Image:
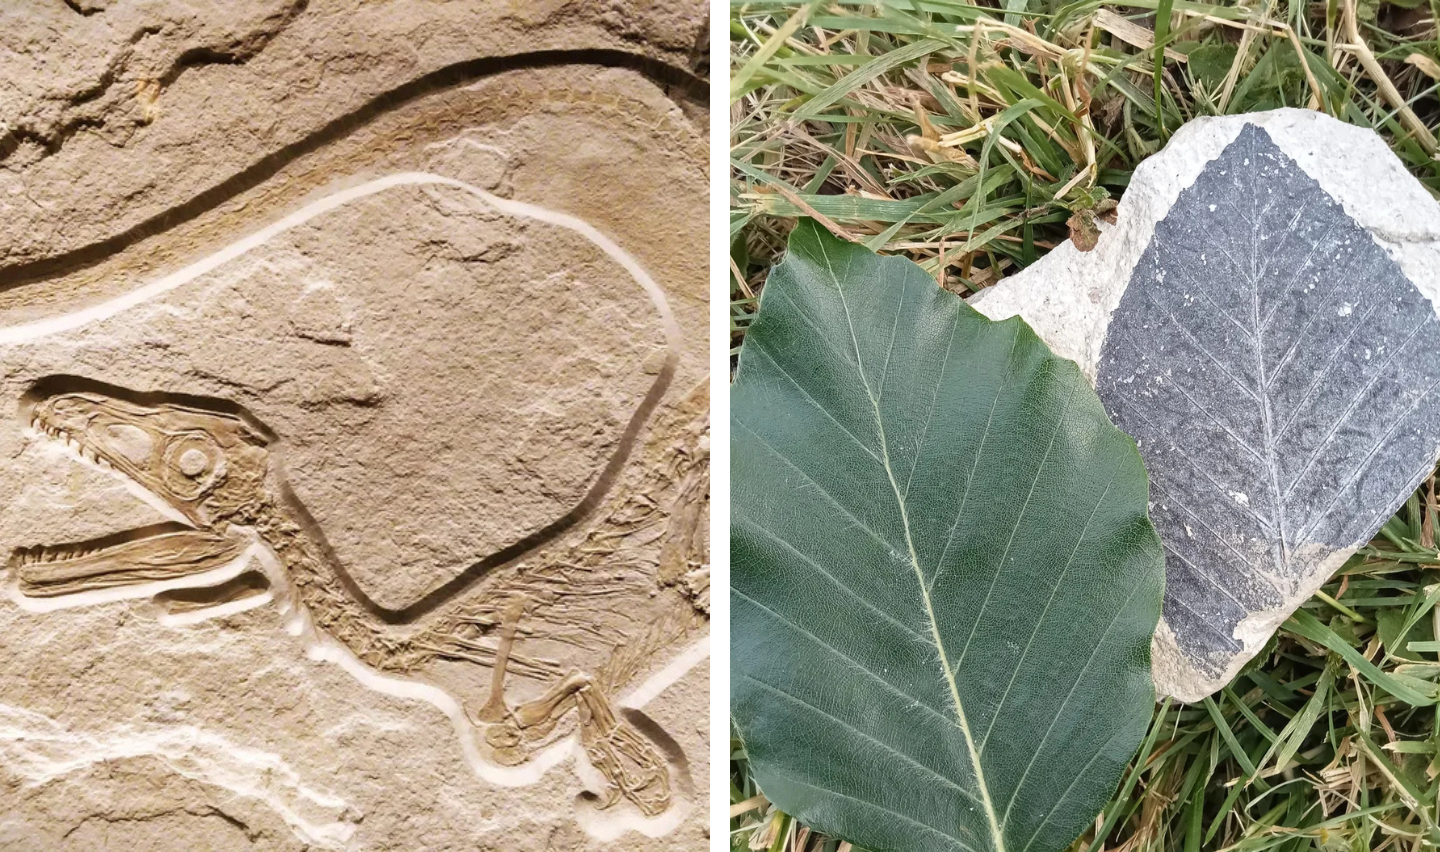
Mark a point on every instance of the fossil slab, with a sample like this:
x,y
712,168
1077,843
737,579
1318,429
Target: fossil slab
x,y
354,479
1262,319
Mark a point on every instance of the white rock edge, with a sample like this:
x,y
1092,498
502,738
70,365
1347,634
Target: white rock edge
x,y
603,825
1068,296
41,749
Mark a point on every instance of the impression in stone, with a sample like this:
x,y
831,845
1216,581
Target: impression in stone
x,y
263,211
239,538
210,463
1278,371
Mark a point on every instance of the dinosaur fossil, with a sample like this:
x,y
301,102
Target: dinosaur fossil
x,y
634,769
214,468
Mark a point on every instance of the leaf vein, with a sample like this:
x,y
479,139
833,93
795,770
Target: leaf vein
x,y
1365,462
975,464
814,402
818,487
1019,519
1321,373
997,837
951,840
1040,621
934,397
1145,291
1079,676
1355,403
770,534
844,656
795,699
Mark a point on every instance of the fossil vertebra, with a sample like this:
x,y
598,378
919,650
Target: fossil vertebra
x,y
213,466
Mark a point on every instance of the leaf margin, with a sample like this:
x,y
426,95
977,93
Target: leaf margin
x,y
808,230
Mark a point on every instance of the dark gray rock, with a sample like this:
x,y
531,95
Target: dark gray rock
x,y
1280,372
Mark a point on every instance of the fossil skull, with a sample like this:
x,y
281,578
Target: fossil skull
x,y
205,464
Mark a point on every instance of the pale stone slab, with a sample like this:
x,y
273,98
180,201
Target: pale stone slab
x,y
1262,319
354,478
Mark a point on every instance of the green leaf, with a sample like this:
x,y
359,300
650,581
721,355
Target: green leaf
x,y
1210,63
943,580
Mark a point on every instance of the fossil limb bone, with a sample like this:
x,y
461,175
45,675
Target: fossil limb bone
x,y
211,465
629,762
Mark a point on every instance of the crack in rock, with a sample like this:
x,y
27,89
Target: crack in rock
x,y
39,749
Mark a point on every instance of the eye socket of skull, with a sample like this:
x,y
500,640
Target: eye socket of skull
x,y
193,463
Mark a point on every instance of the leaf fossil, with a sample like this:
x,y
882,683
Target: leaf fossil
x,y
943,581
1278,371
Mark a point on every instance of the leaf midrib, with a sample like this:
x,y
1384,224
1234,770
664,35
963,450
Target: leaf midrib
x,y
1280,497
996,834
1262,385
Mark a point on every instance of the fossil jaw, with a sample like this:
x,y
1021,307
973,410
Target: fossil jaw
x,y
56,433
136,556
195,463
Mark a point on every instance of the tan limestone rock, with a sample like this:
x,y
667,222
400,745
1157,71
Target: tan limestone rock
x,y
353,425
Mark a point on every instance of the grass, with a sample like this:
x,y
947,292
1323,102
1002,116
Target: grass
x,y
974,138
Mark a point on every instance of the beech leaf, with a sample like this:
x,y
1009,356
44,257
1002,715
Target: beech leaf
x,y
1280,373
944,582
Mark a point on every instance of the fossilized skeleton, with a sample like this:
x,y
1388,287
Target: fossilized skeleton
x,y
215,468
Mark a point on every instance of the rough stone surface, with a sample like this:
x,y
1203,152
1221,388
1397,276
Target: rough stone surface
x,y
1262,327
348,353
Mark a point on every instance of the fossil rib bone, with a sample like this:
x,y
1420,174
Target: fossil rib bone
x,y
213,465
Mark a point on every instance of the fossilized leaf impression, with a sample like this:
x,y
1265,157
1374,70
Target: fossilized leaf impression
x,y
362,503
1279,370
